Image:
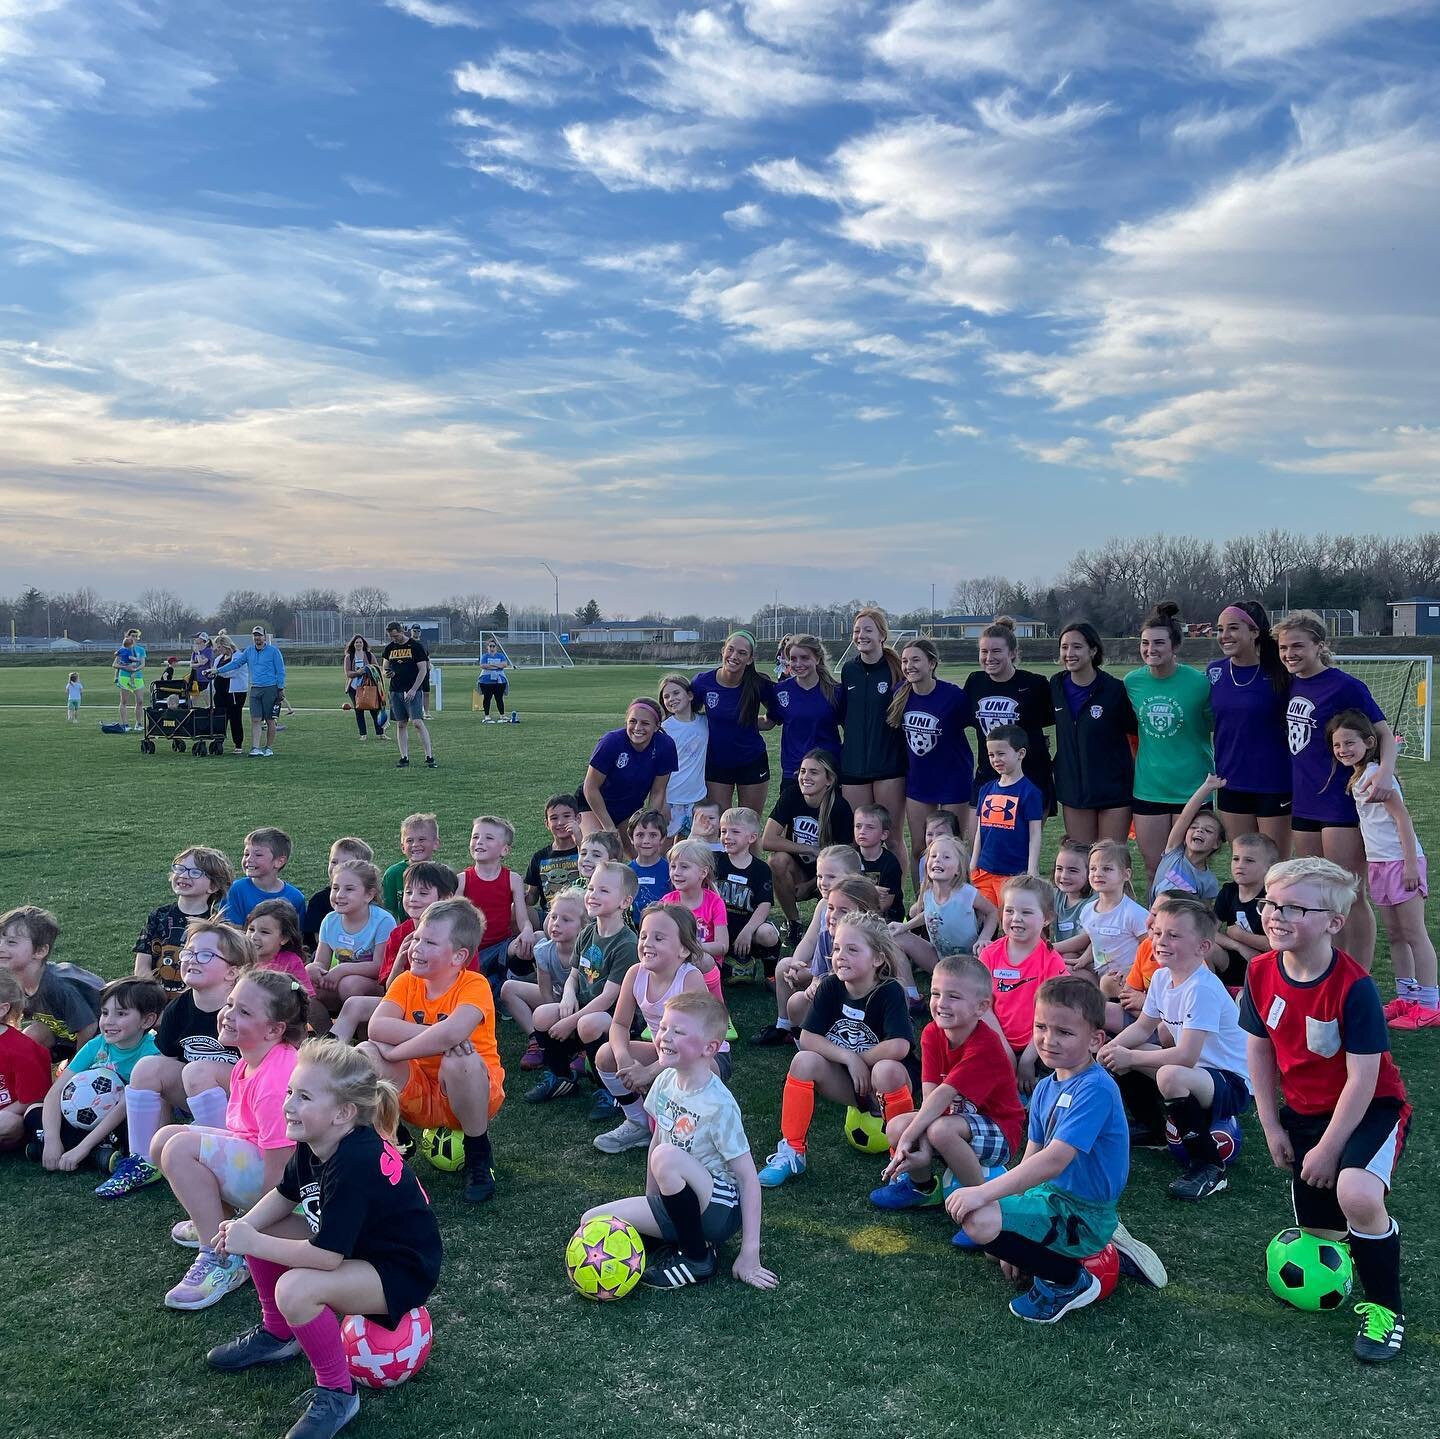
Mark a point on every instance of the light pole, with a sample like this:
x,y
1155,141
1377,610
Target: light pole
x,y
556,578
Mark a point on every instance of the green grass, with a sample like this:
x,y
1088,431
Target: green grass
x,y
879,1328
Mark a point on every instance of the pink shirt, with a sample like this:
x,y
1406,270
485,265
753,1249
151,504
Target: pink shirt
x,y
1016,985
709,913
257,1099
288,962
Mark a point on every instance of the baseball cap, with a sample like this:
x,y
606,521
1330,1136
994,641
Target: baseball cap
x,y
258,630
203,635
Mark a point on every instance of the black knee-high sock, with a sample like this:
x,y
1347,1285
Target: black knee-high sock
x,y
683,1207
1192,1121
1377,1262
1142,1100
558,1054
592,1051
1034,1258
478,1154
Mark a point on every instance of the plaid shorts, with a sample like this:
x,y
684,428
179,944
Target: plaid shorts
x,y
987,1139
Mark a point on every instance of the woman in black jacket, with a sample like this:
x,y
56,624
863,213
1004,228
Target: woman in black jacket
x,y
1094,732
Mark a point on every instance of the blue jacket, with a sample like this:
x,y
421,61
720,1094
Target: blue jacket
x,y
267,666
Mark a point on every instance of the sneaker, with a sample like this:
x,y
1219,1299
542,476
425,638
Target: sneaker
x,y
130,1174
577,1067
551,1086
479,1184
794,932
402,763
1199,1182
903,1193
268,753
1382,1332
327,1412
184,1234
1137,1260
1405,1017
630,1134
772,1035
669,1269
534,1056
105,1157
605,1106
207,1281
254,1346
256,753
1047,1301
1396,1006
784,1164
430,761
1426,1018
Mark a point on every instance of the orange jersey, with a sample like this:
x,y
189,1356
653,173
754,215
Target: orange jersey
x,y
1143,970
407,992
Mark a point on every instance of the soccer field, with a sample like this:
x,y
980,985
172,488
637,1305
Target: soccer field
x,y
880,1327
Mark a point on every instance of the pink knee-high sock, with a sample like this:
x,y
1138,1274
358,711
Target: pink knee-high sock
x,y
266,1275
320,1339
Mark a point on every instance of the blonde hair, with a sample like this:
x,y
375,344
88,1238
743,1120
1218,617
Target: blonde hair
x,y
493,821
350,1078
420,821
365,872
572,895
1337,886
285,999
696,852
857,887
353,847
629,880
877,934
742,815
962,860
822,661
1262,842
709,1012
1119,851
1307,622
845,855
609,840
876,617
467,924
12,993
236,947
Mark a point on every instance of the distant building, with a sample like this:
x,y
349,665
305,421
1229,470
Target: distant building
x,y
619,632
1415,616
968,627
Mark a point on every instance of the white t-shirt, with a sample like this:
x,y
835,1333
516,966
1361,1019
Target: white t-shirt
x,y
358,947
687,784
73,690
1116,935
1201,1002
705,1123
1377,826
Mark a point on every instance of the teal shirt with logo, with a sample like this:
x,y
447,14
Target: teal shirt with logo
x,y
1175,726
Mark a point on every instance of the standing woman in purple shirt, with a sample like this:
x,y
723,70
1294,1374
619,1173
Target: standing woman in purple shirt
x,y
732,697
1249,689
629,771
1323,817
809,705
933,715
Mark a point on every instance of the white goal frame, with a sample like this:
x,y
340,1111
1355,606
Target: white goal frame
x,y
896,642
1417,700
553,656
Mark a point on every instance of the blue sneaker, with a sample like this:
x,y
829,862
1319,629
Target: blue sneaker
x,y
902,1193
961,1240
606,1106
785,1163
1047,1301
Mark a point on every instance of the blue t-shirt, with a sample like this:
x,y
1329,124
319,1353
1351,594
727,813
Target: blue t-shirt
x,y
99,1053
356,946
630,772
653,880
492,671
1318,781
1004,813
941,767
731,743
1085,1112
245,894
1250,751
809,721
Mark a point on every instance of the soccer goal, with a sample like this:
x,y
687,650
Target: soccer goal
x,y
530,649
896,642
1402,688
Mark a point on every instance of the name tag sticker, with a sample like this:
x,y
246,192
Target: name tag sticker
x,y
1277,1008
1007,974
1063,1102
850,1012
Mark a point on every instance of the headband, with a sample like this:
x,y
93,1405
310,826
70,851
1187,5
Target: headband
x,y
645,702
1234,612
743,635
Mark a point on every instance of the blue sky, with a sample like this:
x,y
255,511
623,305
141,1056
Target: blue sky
x,y
833,296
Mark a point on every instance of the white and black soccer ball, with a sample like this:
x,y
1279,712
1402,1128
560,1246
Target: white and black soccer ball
x,y
89,1096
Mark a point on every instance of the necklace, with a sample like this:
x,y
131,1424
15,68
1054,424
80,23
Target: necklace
x,y
1248,682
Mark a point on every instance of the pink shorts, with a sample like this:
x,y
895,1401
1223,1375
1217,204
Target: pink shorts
x,y
1387,881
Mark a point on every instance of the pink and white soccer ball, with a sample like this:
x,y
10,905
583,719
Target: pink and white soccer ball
x,y
381,1358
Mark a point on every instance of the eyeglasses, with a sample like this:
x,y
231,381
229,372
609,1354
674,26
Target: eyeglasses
x,y
186,871
1290,912
201,956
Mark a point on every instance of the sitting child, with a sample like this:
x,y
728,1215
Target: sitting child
x,y
701,1179
1072,893
352,937
956,917
262,862
970,1114
346,1230
275,932
747,891
200,878
1194,837
810,816
692,871
1113,923
942,821
433,1037
24,1065
879,863
553,868
1242,932
647,836
348,850
419,841
554,959
57,1014
500,897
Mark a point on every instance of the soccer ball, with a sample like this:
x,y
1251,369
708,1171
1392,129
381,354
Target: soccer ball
x,y
1105,1266
605,1258
1308,1272
444,1148
866,1131
381,1358
89,1096
1226,1133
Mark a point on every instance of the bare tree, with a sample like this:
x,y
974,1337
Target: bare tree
x,y
472,611
165,613
316,599
977,596
366,600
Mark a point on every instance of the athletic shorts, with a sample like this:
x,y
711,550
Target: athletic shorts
x,y
989,884
1232,1098
720,1219
1059,1221
1375,1146
262,701
424,1103
1302,825
582,806
853,779
1247,801
987,1139
755,771
237,1165
1387,881
405,709
1151,807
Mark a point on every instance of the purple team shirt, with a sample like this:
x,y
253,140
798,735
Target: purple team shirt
x,y
941,766
1251,754
1318,780
731,743
630,772
809,721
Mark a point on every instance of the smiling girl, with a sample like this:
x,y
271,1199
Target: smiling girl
x,y
872,756
732,695
809,816
352,937
810,706
690,731
1004,695
629,771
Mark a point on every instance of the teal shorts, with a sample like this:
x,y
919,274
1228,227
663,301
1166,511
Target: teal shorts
x,y
1046,1215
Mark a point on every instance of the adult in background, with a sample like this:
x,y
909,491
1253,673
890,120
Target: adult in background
x,y
417,636
1004,695
1249,689
629,771
809,707
129,667
1094,725
232,692
202,667
407,665
1323,820
362,673
266,667
732,696
1173,718
493,682
872,757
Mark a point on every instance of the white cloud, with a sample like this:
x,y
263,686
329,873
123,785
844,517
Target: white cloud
x,y
361,186
504,152
434,12
650,260
870,414
1248,30
511,275
516,77
648,152
800,22
749,216
1205,127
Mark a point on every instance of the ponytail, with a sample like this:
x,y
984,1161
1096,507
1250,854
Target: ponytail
x,y
352,1080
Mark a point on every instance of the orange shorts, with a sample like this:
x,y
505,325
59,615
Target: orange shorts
x,y
423,1101
989,884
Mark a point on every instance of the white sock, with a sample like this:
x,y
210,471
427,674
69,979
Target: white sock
x,y
615,1085
143,1108
783,1023
1427,996
209,1106
1407,988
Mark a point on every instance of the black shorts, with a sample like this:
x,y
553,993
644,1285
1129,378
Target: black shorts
x,y
1146,806
1318,826
719,1221
1374,1145
405,1286
756,771
1249,801
582,806
873,778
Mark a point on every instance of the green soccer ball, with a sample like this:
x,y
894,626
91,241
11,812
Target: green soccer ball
x,y
1307,1272
866,1131
444,1148
605,1258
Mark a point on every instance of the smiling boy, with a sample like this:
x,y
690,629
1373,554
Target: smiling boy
x,y
266,853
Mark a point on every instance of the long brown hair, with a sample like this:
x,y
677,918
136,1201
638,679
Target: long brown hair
x,y
896,713
877,617
822,668
751,690
827,763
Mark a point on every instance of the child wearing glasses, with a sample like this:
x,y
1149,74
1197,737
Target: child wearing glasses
x,y
199,880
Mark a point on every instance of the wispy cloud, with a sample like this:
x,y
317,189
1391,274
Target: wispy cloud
x,y
749,216
516,77
648,152
510,276
362,186
1240,31
435,12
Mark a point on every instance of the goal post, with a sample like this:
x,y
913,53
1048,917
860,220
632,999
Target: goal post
x,y
525,649
1403,688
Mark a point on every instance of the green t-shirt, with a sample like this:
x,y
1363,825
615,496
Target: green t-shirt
x,y
99,1053
1175,726
598,960
392,888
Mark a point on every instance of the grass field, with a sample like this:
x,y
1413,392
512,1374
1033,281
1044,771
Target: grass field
x,y
879,1328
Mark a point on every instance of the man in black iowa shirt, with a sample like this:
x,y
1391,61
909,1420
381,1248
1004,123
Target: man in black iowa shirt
x,y
406,665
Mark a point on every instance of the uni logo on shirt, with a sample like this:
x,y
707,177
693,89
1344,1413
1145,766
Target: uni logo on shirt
x,y
999,810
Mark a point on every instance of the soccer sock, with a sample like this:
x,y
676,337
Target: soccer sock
x,y
1032,1258
797,1109
143,1108
592,1052
558,1054
478,1153
898,1101
1407,987
683,1207
208,1107
631,1106
783,1022
1377,1262
266,1275
1192,1122
1427,996
1142,1100
320,1339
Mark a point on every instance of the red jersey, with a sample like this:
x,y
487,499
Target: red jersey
x,y
1313,1026
495,899
24,1068
981,1071
398,936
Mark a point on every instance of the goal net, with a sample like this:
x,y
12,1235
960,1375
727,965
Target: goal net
x,y
896,642
1402,688
525,649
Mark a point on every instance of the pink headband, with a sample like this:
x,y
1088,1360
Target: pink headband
x,y
645,702
1234,612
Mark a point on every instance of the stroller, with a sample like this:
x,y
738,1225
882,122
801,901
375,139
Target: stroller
x,y
171,716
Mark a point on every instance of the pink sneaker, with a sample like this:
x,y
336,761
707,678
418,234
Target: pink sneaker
x,y
1407,1018
1396,1006
534,1056
1426,1018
